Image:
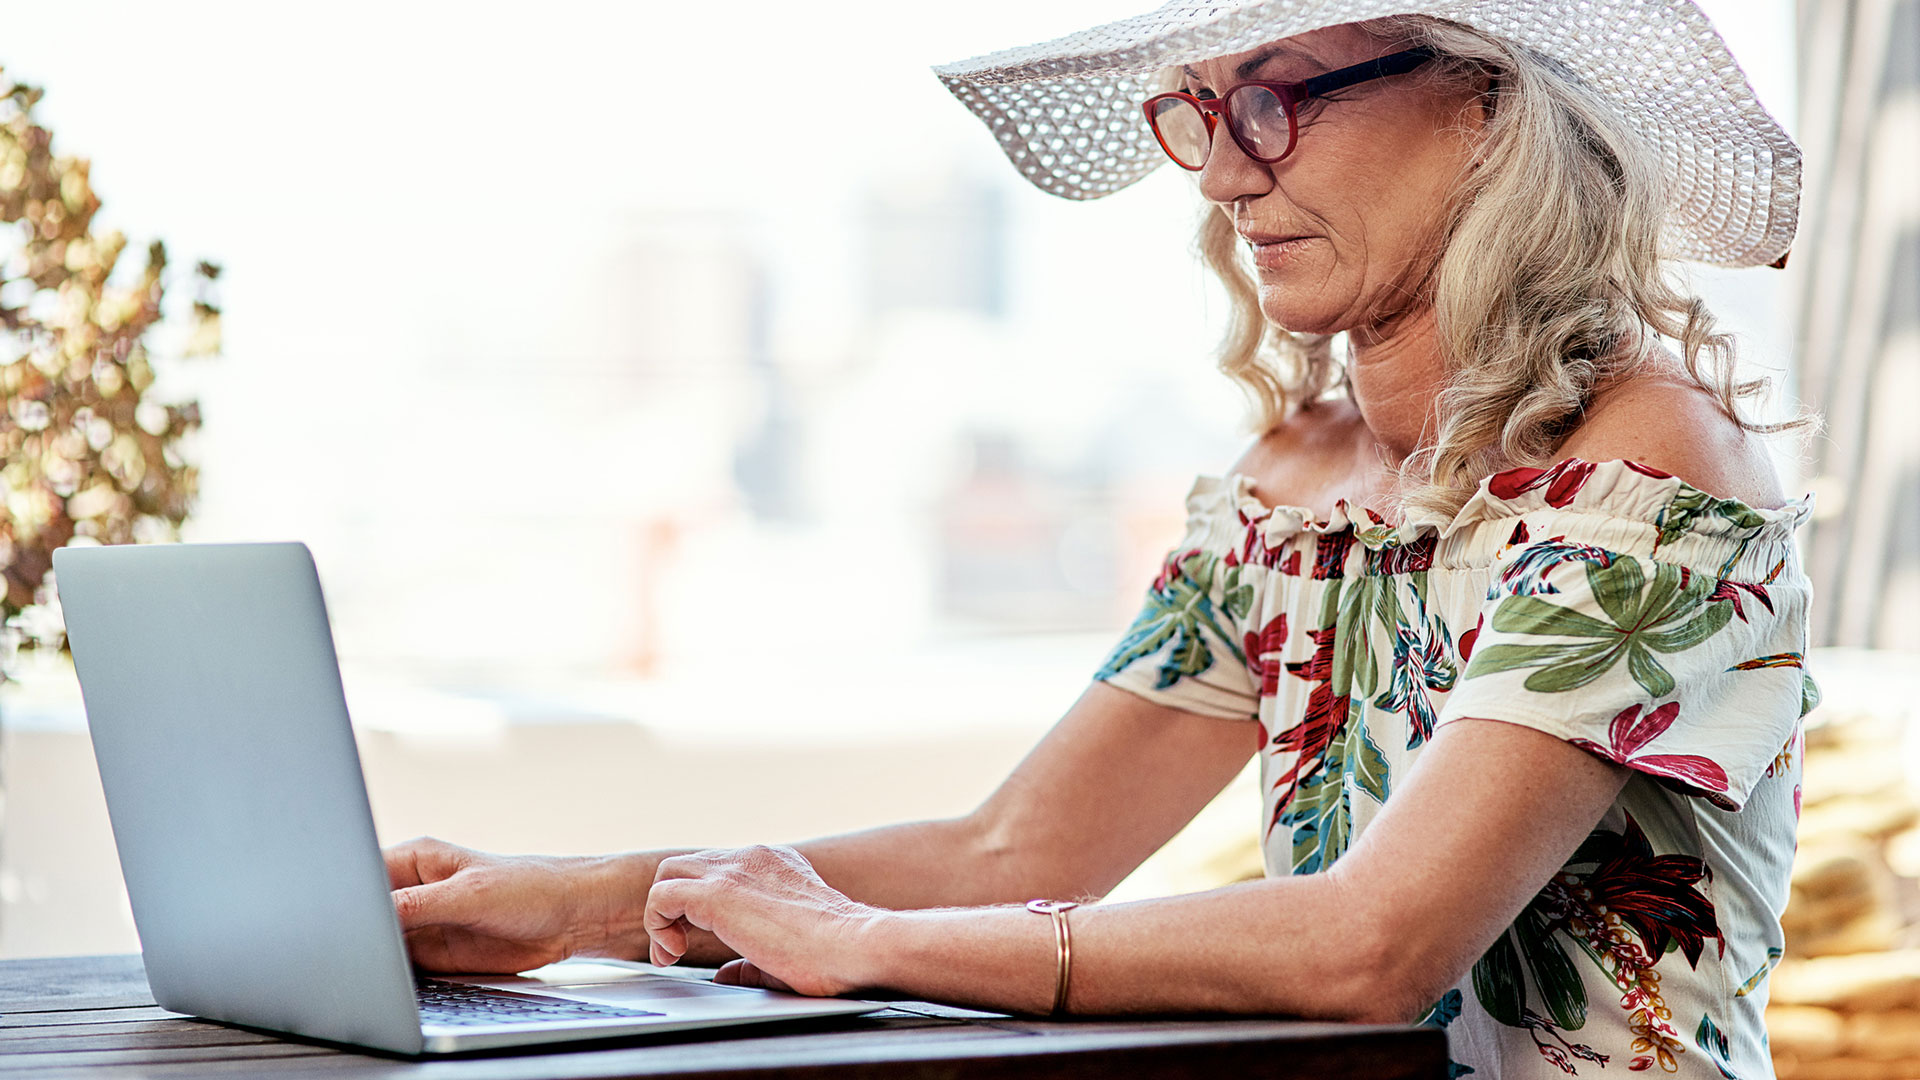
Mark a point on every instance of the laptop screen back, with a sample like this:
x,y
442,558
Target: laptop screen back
x,y
234,788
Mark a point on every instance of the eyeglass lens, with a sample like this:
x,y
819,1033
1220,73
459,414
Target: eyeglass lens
x,y
1183,129
1258,115
1260,119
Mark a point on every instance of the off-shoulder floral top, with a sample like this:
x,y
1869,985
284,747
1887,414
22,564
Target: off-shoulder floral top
x,y
1608,604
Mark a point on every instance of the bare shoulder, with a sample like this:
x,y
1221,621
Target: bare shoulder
x,y
1310,458
1663,420
1310,431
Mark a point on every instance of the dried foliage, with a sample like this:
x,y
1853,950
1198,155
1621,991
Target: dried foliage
x,y
91,454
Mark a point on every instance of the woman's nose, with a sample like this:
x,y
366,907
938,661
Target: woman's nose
x,y
1229,173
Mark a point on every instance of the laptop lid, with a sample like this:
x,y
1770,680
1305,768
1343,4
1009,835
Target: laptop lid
x,y
234,788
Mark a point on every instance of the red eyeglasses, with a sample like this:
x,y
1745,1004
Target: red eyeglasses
x,y
1261,116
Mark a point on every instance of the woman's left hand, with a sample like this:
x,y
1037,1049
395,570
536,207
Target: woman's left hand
x,y
792,931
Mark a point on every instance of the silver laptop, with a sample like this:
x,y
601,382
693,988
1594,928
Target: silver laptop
x,y
234,787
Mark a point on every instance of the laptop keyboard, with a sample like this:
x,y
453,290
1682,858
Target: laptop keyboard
x,y
444,1002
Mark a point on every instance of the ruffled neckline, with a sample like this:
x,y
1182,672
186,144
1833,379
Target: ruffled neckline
x,y
1618,488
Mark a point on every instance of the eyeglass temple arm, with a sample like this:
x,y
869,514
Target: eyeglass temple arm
x,y
1391,64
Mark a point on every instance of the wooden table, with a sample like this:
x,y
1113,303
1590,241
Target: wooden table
x,y
85,1015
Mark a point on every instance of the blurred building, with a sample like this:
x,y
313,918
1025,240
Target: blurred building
x,y
1857,263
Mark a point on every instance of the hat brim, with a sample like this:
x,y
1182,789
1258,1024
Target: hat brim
x,y
1067,112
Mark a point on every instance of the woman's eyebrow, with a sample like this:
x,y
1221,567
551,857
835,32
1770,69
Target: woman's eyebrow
x,y
1246,69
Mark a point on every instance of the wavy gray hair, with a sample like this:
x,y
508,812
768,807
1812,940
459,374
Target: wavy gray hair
x,y
1552,265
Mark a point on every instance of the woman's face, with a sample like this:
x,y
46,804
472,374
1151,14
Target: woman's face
x,y
1345,229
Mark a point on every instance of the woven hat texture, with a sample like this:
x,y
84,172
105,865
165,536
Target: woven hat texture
x,y
1067,111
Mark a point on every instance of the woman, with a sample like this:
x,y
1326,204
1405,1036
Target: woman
x,y
1507,602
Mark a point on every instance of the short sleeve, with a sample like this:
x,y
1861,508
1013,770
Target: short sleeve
x,y
1694,678
1184,648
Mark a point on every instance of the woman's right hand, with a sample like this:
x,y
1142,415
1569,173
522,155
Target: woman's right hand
x,y
468,911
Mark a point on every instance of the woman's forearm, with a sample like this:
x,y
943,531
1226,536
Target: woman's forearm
x,y
1019,844
1059,825
1380,935
947,863
1297,946
922,864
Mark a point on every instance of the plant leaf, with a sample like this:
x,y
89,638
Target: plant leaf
x,y
1577,670
1698,771
1445,1011
1532,615
1494,659
1713,1041
1691,633
1616,588
1497,983
1647,671
1558,981
1240,601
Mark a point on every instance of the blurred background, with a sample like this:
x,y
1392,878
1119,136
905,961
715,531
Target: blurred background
x,y
706,437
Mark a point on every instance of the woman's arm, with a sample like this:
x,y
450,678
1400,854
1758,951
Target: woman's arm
x,y
1488,814
1131,772
1111,783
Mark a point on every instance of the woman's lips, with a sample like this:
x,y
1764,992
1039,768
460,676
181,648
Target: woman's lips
x,y
1269,254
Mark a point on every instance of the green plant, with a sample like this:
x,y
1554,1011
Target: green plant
x,y
91,452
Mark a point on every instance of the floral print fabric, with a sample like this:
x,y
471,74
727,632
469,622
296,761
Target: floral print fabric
x,y
1608,604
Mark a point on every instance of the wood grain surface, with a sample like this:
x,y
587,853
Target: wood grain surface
x,y
93,1016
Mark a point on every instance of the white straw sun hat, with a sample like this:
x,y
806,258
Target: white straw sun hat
x,y
1067,111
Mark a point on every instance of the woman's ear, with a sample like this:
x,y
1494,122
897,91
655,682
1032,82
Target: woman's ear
x,y
1487,83
1480,112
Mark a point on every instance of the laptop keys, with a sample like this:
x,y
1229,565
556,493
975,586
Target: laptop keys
x,y
456,1003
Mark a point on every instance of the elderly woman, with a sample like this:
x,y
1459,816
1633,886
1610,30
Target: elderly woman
x,y
1504,597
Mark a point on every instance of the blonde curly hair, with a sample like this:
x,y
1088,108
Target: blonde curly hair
x,y
1551,276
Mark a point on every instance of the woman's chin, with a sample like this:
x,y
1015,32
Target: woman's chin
x,y
1292,316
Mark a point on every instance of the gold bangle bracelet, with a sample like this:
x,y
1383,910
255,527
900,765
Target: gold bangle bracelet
x,y
1063,940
